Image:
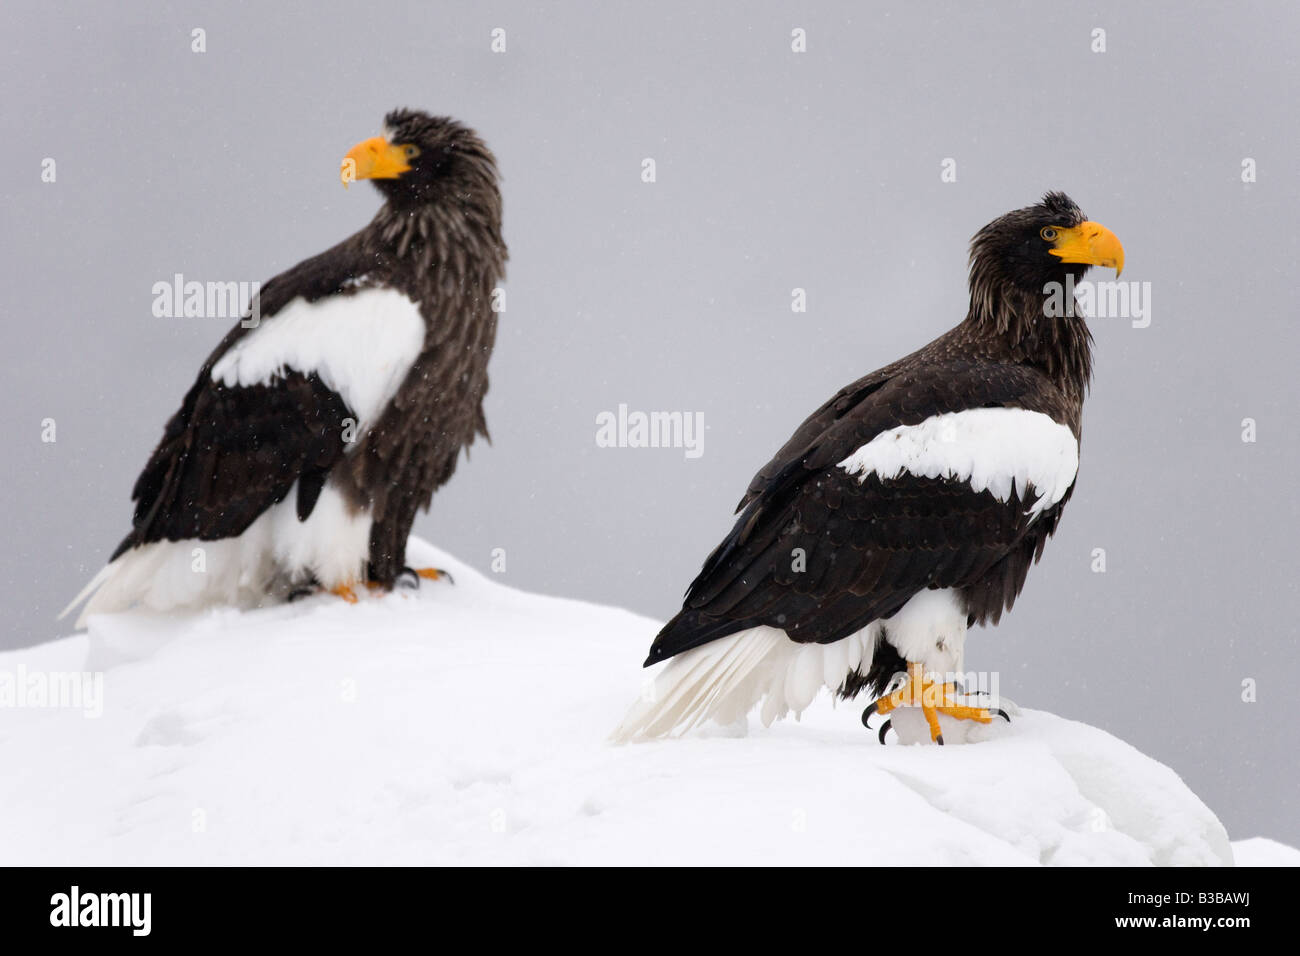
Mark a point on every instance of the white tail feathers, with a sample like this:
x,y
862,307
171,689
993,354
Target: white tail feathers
x,y
157,576
94,585
330,548
178,575
724,679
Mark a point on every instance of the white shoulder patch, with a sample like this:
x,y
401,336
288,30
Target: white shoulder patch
x,y
995,449
361,345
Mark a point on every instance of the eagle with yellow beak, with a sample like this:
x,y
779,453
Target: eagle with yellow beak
x,y
906,509
335,409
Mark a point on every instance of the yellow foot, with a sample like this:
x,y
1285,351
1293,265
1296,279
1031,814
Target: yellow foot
x,y
412,578
345,592
428,574
933,698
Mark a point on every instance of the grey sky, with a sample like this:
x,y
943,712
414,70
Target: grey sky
x,y
774,171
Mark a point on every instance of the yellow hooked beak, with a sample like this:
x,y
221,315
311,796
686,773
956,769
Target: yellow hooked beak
x,y
1090,243
375,158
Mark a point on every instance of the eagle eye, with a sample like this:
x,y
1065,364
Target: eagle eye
x,y
1048,233
410,151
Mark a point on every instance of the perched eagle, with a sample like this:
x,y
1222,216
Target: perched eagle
x,y
904,510
300,455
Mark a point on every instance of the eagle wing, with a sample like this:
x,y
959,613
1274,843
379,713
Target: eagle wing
x,y
233,450
821,553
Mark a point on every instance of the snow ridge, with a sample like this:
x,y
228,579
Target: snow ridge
x,y
466,723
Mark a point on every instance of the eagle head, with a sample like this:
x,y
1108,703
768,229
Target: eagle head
x,y
420,158
1043,243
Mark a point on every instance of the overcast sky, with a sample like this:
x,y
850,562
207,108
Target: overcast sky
x,y
775,170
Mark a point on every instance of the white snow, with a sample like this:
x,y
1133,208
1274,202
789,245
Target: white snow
x,y
1259,851
467,723
995,449
361,345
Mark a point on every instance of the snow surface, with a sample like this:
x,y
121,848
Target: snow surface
x,y
467,723
1259,851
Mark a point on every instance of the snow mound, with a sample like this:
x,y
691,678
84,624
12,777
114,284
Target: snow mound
x,y
467,723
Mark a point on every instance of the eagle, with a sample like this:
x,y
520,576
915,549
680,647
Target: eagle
x,y
905,510
337,406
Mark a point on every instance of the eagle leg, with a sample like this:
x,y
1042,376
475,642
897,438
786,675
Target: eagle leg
x,y
933,698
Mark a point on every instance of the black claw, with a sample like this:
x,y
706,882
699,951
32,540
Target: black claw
x,y
1003,714
884,729
939,740
299,593
869,713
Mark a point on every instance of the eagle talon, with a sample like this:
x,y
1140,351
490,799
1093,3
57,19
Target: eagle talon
x,y
431,574
868,714
1003,714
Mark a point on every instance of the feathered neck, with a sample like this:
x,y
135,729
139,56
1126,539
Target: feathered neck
x,y
454,221
1022,326
458,236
